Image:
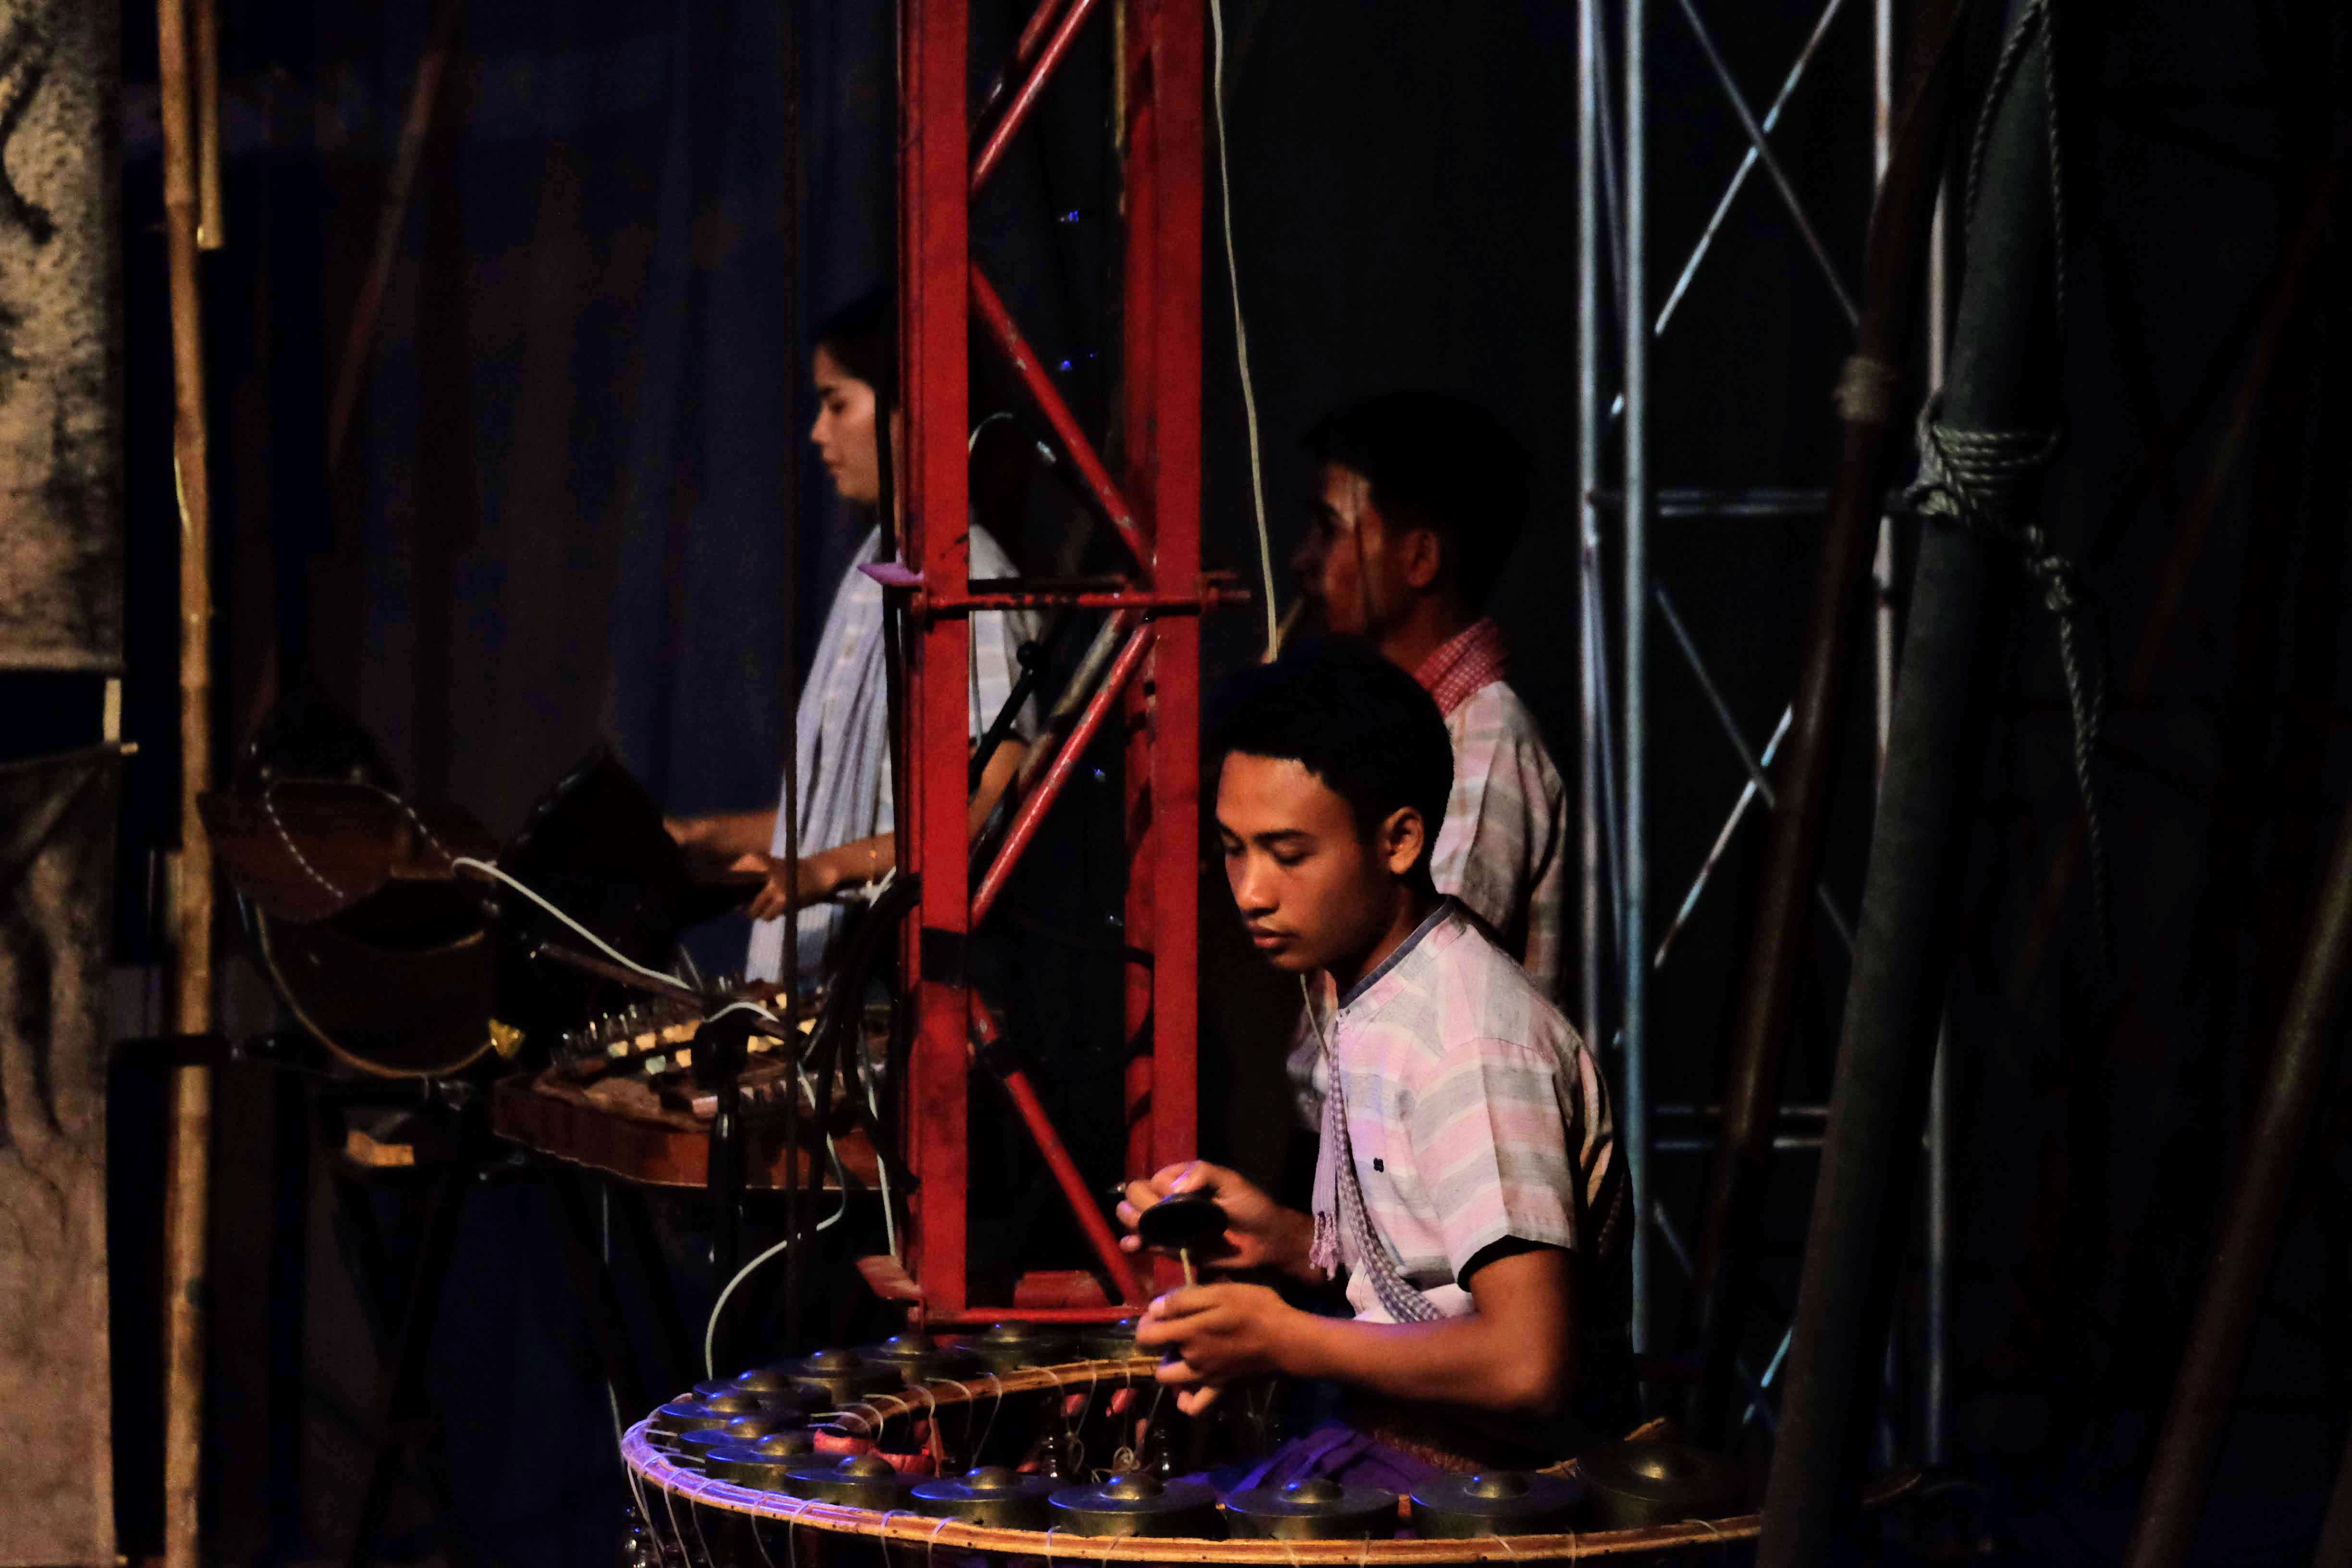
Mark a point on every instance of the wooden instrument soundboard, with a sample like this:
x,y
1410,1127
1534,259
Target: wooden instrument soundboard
x,y
619,1125
619,1097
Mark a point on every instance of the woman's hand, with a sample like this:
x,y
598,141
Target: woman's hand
x,y
1220,1334
817,880
699,836
1259,1232
711,842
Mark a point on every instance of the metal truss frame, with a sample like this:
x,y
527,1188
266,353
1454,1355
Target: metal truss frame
x,y
1614,312
1152,688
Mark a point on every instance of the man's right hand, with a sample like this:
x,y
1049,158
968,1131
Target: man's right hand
x,y
1259,1232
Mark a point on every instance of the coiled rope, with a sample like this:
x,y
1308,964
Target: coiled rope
x,y
1978,479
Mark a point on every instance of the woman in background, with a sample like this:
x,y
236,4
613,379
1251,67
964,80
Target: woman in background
x,y
843,758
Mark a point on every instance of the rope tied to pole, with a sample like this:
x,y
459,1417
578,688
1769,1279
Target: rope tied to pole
x,y
1977,479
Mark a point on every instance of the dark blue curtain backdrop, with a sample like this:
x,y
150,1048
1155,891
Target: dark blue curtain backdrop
x,y
564,520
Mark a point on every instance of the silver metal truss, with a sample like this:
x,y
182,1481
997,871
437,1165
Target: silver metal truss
x,y
1620,503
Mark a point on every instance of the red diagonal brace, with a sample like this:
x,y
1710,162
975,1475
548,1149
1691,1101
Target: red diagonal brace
x,y
991,1054
991,153
1091,472
1032,34
1066,763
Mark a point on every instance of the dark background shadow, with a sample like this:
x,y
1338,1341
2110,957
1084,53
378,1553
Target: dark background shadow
x,y
563,521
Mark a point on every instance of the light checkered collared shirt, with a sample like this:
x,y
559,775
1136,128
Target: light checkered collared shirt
x,y
1504,846
1475,1115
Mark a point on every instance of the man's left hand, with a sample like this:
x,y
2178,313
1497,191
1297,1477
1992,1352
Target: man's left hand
x,y
1219,1333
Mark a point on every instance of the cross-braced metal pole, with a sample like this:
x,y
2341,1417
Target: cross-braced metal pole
x,y
1589,416
1634,606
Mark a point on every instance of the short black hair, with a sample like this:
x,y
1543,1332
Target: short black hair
x,y
863,339
1438,462
1350,717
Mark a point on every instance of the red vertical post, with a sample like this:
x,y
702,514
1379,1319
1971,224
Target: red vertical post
x,y
1163,73
1163,440
1176,32
933,278
1140,342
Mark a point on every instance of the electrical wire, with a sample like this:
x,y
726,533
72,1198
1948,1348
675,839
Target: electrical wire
x,y
746,1005
841,1179
1241,332
466,862
881,1167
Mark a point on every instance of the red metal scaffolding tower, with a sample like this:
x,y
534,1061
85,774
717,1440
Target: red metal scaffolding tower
x,y
1153,504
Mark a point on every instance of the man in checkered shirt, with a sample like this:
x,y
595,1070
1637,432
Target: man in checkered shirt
x,y
1468,1190
1419,500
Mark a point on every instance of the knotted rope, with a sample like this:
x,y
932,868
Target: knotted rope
x,y
1977,479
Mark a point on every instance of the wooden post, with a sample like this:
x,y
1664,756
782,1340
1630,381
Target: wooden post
x,y
187,1169
212,227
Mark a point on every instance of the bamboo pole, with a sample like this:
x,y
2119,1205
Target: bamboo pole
x,y
2246,1234
392,217
212,228
2004,342
188,1161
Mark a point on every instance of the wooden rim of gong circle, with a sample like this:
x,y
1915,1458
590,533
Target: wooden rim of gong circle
x,y
909,1528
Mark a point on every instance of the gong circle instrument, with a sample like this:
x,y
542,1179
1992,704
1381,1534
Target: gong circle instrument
x,y
1138,1504
902,1467
760,1463
1112,1341
991,1495
1651,1480
1009,1347
918,1358
840,1377
1493,1503
856,1481
769,1437
1315,1508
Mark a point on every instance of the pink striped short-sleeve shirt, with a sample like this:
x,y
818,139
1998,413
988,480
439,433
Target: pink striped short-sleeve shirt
x,y
1476,1114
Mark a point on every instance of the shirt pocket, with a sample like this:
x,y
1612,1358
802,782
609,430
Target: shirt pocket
x,y
1384,1168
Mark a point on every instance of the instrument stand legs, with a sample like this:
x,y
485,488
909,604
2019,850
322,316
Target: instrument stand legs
x,y
669,1319
404,1423
600,1301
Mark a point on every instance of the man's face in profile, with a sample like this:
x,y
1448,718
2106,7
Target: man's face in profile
x,y
1312,887
1343,565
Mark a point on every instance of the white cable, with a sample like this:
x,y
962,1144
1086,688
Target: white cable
x,y
710,1330
881,1166
745,1005
1241,334
606,948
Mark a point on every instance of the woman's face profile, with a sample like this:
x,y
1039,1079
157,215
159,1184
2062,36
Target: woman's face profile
x,y
844,431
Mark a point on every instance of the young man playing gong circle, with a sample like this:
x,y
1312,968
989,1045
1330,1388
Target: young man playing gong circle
x,y
1468,1188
